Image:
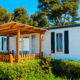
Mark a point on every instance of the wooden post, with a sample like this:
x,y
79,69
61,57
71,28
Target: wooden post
x,y
11,58
18,45
40,45
8,44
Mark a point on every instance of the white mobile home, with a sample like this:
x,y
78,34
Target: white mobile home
x,y
64,41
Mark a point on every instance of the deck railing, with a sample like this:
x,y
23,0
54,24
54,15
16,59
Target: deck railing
x,y
28,56
7,57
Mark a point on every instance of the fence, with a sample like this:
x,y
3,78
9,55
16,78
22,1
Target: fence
x,y
7,57
28,56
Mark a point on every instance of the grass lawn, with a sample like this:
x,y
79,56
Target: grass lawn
x,y
32,70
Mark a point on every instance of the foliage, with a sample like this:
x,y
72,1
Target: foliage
x,y
59,10
70,69
34,70
25,70
39,19
9,17
31,22
4,17
61,68
20,15
46,65
52,12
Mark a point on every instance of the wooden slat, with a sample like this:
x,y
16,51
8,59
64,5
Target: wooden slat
x,y
12,27
7,25
29,56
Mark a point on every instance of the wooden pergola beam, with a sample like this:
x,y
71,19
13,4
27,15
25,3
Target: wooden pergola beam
x,y
14,26
22,29
7,25
9,31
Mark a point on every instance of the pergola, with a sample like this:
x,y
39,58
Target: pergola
x,y
16,29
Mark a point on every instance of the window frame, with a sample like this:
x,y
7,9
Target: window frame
x,y
60,51
4,45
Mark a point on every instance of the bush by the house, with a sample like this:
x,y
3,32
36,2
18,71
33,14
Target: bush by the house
x,y
25,70
46,64
62,68
70,69
34,70
29,69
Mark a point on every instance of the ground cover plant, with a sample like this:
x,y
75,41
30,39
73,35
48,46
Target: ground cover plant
x,y
40,69
25,70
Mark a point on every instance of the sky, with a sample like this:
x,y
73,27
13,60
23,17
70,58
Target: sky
x,y
10,5
30,5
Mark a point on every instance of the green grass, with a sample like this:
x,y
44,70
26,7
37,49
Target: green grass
x,y
25,70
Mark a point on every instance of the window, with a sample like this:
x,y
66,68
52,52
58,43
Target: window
x,y
33,43
59,46
24,45
4,43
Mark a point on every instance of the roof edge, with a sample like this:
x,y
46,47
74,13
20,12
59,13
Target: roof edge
x,y
64,26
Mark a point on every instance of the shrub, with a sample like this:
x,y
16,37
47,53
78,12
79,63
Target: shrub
x,y
23,70
33,70
70,69
46,64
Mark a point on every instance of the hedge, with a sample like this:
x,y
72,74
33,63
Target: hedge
x,y
40,70
25,70
70,69
21,71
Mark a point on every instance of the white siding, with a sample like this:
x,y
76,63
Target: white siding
x,y
74,44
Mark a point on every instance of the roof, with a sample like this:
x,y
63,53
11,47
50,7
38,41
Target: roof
x,y
11,28
65,26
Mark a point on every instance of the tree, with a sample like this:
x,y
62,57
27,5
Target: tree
x,y
35,23
39,19
3,14
30,22
9,17
58,10
20,15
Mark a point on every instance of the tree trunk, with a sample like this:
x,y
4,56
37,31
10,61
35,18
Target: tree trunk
x,y
64,19
58,20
